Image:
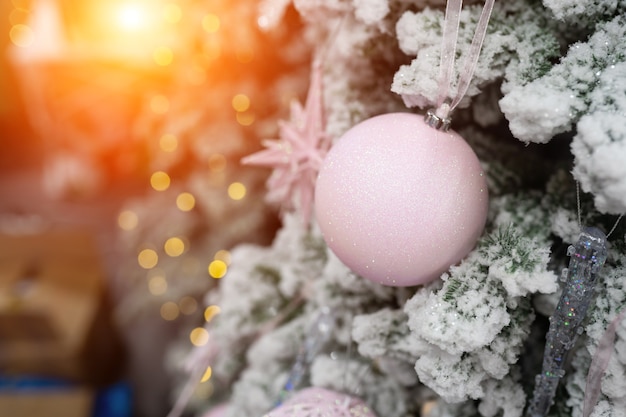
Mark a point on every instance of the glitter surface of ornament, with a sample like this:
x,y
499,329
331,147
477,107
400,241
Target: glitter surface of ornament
x,y
379,183
586,258
317,336
297,156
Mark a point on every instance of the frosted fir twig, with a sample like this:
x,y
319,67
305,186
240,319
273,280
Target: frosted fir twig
x,y
599,145
516,52
586,258
553,103
590,11
386,395
471,328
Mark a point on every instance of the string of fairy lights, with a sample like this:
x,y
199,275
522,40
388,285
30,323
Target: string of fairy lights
x,y
135,16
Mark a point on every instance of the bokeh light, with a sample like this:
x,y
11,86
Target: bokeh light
x,y
168,142
127,220
217,269
147,258
210,312
160,181
172,13
174,246
157,285
134,16
22,35
163,56
245,118
236,191
185,201
188,305
211,23
199,336
207,374
241,102
170,311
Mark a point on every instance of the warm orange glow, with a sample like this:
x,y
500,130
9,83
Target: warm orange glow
x,y
159,104
197,75
131,30
212,50
18,16
131,16
172,13
163,56
244,54
22,36
21,4
211,23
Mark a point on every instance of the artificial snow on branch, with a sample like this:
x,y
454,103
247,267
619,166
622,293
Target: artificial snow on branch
x,y
555,102
599,146
516,52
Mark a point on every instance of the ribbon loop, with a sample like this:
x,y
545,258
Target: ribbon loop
x,y
445,103
599,363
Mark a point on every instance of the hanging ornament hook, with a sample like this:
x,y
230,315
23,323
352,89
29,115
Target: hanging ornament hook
x,y
439,118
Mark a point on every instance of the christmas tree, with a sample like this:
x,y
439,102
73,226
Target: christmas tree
x,y
545,113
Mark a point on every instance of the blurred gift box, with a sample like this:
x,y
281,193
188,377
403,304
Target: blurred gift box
x,y
54,316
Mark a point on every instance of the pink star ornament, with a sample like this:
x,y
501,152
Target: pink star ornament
x,y
297,156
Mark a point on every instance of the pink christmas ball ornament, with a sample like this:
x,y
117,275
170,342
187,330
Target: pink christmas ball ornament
x,y
398,201
321,402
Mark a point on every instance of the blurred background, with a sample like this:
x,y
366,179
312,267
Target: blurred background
x,y
122,124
